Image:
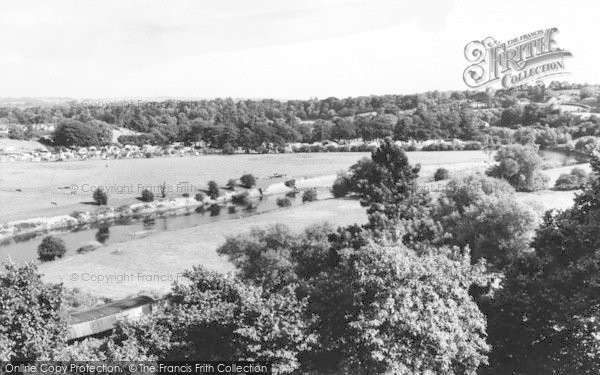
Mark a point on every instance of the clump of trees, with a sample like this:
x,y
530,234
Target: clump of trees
x,y
83,134
482,214
521,167
574,180
100,197
51,248
545,317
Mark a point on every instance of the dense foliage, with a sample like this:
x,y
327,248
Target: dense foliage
x,y
31,321
545,318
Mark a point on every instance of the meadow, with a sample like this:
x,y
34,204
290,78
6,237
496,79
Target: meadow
x,y
55,188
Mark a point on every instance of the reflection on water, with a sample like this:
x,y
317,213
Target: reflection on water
x,y
103,233
24,248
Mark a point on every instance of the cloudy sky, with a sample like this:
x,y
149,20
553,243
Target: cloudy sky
x,y
268,48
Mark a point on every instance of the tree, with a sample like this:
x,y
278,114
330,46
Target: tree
x,y
147,196
51,248
31,318
383,182
521,167
342,185
247,180
309,195
441,174
384,309
213,190
545,318
100,197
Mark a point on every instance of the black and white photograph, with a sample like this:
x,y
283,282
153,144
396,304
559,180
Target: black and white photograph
x,y
311,187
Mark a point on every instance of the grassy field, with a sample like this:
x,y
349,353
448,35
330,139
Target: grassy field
x,y
50,189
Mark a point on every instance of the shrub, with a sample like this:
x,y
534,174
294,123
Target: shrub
x,y
215,210
441,174
185,195
284,202
290,183
199,197
341,186
51,248
147,196
231,209
247,181
291,194
100,197
240,198
309,195
86,249
213,190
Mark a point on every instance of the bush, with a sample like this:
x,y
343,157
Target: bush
x,y
231,209
441,174
215,210
51,248
290,183
100,197
213,190
199,197
284,202
240,198
86,249
309,195
147,196
247,181
291,194
341,186
185,195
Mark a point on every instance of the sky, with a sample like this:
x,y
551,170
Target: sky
x,y
268,48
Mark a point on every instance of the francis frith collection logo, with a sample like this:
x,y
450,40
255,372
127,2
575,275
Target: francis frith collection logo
x,y
528,58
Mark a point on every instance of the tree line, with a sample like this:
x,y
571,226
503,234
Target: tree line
x,y
268,124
